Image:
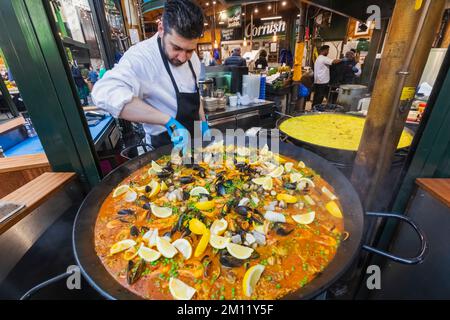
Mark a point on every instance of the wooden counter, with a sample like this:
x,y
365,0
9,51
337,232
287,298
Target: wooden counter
x,y
438,188
19,170
11,124
34,193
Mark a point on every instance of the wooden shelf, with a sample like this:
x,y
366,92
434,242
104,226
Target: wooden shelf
x,y
34,193
11,124
438,188
25,162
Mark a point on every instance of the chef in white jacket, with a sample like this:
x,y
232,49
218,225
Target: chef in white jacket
x,y
155,82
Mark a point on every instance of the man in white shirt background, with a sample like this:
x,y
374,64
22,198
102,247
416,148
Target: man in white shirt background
x,y
322,74
155,82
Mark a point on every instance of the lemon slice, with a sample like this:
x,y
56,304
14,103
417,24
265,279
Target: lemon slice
x,y
306,218
202,244
265,182
333,209
140,189
288,166
150,236
155,188
180,290
197,227
130,254
259,181
121,246
155,168
161,212
130,196
278,172
301,165
148,254
303,182
251,278
121,190
264,150
328,193
218,227
205,205
238,251
295,177
184,247
198,191
309,200
218,242
286,198
164,186
165,247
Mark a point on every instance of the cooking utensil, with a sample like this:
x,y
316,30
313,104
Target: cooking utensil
x,y
354,219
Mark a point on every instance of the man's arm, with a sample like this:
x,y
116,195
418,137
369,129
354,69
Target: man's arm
x,y
139,111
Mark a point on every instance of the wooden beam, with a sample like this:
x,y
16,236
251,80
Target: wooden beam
x,y
405,55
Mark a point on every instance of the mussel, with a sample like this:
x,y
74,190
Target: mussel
x,y
290,186
146,206
242,210
186,179
284,229
179,225
134,231
148,189
164,174
126,212
220,189
135,270
227,260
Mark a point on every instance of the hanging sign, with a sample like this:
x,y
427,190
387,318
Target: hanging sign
x,y
231,34
265,28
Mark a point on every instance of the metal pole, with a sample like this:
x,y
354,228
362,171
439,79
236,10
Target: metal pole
x,y
401,67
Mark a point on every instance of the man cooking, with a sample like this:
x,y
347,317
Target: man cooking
x,y
322,74
155,82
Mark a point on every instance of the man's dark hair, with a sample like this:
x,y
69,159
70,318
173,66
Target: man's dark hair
x,y
185,17
263,54
324,48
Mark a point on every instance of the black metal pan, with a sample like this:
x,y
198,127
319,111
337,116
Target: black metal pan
x,y
354,217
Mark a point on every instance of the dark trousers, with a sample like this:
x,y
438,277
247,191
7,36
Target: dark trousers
x,y
320,92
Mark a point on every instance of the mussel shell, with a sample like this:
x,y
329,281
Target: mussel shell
x,y
146,206
229,261
134,271
134,231
284,229
290,186
164,174
148,189
126,212
242,210
220,189
186,179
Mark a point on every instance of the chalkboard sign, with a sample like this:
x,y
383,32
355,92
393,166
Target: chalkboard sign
x,y
230,34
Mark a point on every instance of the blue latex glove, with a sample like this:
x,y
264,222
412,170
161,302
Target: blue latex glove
x,y
179,135
355,69
205,129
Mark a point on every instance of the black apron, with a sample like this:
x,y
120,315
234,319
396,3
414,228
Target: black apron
x,y
188,105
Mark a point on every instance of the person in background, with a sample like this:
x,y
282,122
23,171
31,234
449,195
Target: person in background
x,y
102,71
82,88
93,75
208,60
235,59
322,74
261,62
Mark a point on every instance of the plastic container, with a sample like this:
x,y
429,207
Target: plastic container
x,y
262,87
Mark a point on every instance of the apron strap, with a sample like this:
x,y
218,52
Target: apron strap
x,y
166,65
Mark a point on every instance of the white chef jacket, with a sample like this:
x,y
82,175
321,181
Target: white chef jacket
x,y
322,69
141,73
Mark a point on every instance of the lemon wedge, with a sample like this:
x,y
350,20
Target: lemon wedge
x,y
130,196
218,242
288,166
265,182
264,150
333,209
161,212
286,198
303,182
278,172
238,251
155,188
180,290
184,247
121,190
197,227
130,254
251,278
195,192
301,165
155,168
309,200
295,177
205,205
148,254
164,186
150,237
328,193
202,244
165,247
121,246
306,218
218,227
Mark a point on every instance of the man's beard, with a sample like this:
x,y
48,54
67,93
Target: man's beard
x,y
173,61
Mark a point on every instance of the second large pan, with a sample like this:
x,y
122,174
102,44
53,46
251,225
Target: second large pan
x,y
104,283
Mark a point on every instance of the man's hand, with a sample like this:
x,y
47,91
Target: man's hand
x,y
205,129
179,135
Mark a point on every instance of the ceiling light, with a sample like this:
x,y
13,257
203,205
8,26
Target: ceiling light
x,y
256,10
207,3
272,18
269,7
205,24
222,22
243,14
283,3
214,2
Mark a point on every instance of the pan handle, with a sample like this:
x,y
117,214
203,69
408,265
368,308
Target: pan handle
x,y
423,241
